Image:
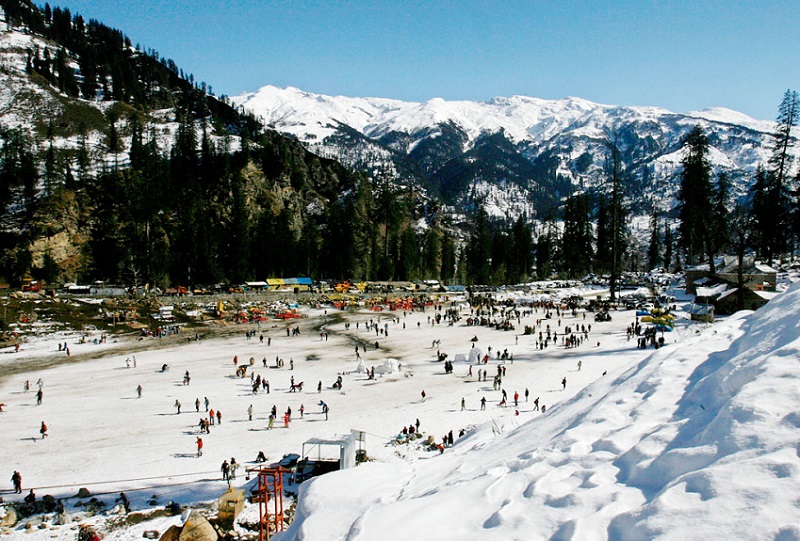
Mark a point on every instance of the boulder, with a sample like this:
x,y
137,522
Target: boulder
x,y
197,528
9,518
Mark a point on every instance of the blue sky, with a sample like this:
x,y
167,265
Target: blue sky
x,y
681,55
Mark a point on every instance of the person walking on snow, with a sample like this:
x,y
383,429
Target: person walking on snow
x,y
43,430
199,446
564,383
177,405
16,479
250,412
423,395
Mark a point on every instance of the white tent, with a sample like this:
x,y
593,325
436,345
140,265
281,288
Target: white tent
x,y
389,366
475,355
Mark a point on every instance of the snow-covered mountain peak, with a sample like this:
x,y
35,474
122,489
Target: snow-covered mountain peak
x,y
565,140
729,116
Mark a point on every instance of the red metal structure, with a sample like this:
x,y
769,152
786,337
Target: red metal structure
x,y
270,489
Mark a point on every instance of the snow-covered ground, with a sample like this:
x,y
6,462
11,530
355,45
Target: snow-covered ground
x,y
691,441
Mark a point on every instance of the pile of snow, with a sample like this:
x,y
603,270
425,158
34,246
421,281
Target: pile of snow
x,y
695,442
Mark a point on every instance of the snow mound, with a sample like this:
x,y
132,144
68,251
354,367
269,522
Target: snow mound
x,y
697,441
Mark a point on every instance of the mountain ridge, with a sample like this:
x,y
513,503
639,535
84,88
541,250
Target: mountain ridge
x,y
567,138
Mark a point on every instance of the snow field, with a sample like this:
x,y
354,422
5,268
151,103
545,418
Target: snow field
x,y
102,436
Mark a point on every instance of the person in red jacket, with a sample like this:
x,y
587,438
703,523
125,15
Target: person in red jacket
x,y
199,446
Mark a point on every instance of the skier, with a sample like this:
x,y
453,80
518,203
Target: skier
x,y
536,404
199,446
43,430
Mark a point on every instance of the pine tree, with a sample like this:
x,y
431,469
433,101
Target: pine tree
x,y
522,250
615,222
780,164
740,227
479,249
668,243
449,258
695,198
544,252
719,225
576,241
766,219
654,248
788,115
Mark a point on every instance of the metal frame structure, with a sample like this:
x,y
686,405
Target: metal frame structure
x,y
270,488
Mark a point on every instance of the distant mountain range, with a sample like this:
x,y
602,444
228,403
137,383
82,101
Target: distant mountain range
x,y
516,154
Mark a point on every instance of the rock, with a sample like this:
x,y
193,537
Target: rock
x,y
172,534
197,528
83,492
10,518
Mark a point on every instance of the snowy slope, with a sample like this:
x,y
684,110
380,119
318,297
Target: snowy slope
x,y
694,442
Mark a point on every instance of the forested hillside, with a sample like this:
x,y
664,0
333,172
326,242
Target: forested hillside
x,y
118,166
